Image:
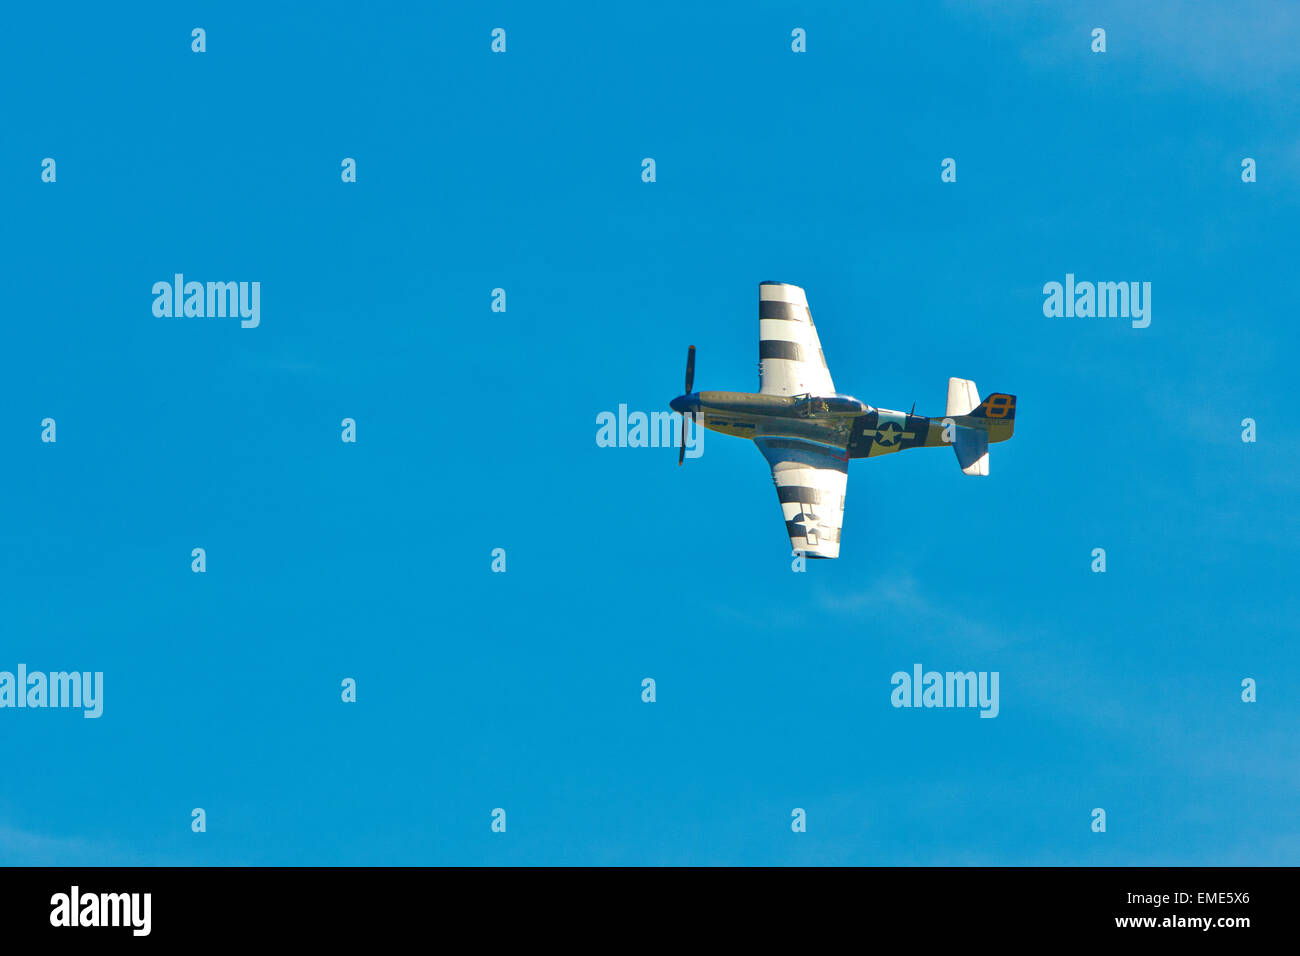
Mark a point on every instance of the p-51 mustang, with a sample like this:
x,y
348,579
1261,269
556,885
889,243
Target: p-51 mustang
x,y
808,432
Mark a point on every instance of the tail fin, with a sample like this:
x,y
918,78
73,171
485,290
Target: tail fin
x,y
978,423
999,409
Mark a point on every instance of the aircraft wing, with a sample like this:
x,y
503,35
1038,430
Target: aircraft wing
x,y
790,359
810,480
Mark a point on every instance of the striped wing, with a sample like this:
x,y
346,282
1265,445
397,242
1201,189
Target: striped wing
x,y
810,479
790,359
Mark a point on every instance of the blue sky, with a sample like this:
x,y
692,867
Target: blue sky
x,y
476,430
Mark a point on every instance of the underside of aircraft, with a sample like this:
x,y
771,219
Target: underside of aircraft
x,y
808,432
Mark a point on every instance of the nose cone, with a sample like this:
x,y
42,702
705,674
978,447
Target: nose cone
x,y
686,403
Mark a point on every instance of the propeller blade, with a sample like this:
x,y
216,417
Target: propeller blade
x,y
690,381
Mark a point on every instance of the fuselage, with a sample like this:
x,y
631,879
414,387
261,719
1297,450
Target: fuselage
x,y
840,421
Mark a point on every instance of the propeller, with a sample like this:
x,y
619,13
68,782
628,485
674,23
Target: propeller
x,y
690,380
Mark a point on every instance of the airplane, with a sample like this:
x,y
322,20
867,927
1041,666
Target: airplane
x,y
807,431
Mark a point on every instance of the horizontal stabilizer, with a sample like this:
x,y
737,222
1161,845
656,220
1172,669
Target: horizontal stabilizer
x,y
972,448
970,444
963,397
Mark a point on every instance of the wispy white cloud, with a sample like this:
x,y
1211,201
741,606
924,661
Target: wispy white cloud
x,y
1248,45
21,847
929,610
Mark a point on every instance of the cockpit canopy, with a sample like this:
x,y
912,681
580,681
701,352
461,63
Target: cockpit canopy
x,y
813,405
